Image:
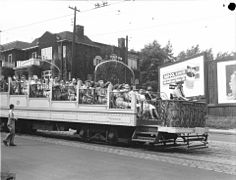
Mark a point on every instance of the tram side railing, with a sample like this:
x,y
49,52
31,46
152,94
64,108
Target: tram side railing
x,y
46,94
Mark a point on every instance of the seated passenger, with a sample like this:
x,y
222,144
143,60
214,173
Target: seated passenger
x,y
3,85
101,92
178,92
145,106
120,100
71,93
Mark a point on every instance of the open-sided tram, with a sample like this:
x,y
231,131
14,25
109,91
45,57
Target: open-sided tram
x,y
178,122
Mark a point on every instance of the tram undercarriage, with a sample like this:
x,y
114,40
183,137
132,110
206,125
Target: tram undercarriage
x,y
147,134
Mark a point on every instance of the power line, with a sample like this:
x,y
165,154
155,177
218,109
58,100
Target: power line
x,y
34,23
156,26
55,18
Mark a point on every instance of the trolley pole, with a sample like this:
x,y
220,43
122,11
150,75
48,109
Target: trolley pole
x,y
73,40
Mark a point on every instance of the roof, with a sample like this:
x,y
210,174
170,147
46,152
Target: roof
x,y
15,45
35,42
67,35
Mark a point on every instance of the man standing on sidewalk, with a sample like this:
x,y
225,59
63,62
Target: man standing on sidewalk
x,y
11,126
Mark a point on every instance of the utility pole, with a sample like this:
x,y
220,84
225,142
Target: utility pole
x,y
126,55
126,49
73,41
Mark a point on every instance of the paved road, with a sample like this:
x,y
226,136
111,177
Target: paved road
x,y
222,137
46,158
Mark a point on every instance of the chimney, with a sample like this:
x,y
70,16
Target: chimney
x,y
79,30
121,42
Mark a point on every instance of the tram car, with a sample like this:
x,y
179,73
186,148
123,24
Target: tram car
x,y
102,117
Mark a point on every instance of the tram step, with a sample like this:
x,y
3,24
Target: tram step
x,y
198,146
143,140
147,128
195,139
147,133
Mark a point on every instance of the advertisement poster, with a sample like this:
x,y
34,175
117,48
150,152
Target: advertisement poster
x,y
190,72
226,80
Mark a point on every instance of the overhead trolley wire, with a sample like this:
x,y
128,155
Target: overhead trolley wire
x,y
34,23
55,18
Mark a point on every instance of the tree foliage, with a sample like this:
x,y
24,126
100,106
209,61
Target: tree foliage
x,y
7,72
194,50
225,55
35,70
152,56
114,72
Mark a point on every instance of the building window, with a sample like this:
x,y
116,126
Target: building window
x,y
46,53
34,55
9,59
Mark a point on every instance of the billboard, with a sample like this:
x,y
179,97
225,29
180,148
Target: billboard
x,y
190,71
226,81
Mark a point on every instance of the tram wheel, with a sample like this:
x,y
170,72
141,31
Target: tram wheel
x,y
82,132
112,136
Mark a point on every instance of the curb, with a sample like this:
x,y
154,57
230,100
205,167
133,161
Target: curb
x,y
222,131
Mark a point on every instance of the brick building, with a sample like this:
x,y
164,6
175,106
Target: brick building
x,y
53,54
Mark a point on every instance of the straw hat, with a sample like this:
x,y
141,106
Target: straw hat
x,y
126,86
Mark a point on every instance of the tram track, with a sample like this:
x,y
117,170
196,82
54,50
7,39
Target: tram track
x,y
203,158
72,136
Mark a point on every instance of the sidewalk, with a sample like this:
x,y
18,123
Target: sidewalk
x,y
223,131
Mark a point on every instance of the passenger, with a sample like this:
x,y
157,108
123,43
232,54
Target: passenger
x,y
71,93
56,81
120,100
18,87
101,92
89,93
11,126
127,93
56,92
24,84
145,106
3,85
178,92
33,88
13,85
73,82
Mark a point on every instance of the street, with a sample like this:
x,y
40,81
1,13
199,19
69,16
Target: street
x,y
47,158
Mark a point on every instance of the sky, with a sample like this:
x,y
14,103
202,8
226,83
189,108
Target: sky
x,y
208,23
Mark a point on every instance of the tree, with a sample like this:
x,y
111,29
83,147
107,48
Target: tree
x,y
114,72
7,72
225,55
168,49
35,70
194,50
152,56
189,52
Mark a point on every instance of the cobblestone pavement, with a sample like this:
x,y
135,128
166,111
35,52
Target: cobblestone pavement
x,y
219,157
